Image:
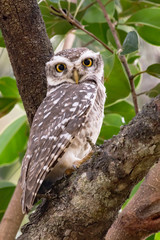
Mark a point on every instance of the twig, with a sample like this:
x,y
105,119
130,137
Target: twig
x,y
137,74
139,94
122,58
107,2
88,6
77,24
78,7
90,42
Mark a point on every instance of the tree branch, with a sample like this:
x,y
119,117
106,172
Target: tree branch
x,y
122,58
141,217
85,205
77,24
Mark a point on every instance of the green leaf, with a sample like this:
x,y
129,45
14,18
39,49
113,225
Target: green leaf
x,y
130,43
149,34
56,40
135,189
151,237
132,58
6,191
6,105
111,126
2,44
13,140
8,87
130,7
54,24
117,84
121,35
11,171
148,17
157,236
98,29
113,120
123,108
107,132
154,70
108,63
95,13
153,1
154,91
62,27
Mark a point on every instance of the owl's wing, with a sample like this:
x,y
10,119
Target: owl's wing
x,y
57,120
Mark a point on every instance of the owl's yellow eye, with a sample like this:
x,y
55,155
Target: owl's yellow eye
x,y
60,67
88,62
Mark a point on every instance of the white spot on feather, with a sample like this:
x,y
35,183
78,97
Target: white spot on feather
x,y
56,101
66,104
44,137
75,104
39,181
65,135
72,109
53,138
47,115
46,168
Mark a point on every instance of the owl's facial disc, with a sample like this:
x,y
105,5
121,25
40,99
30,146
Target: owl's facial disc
x,y
74,66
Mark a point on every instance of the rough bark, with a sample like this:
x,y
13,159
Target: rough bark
x,y
28,47
85,205
141,217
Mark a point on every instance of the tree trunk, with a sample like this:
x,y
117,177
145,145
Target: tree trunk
x,y
28,47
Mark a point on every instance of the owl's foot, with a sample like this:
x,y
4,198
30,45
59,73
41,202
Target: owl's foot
x,y
77,164
69,171
46,195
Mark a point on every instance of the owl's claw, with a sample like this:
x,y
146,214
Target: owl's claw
x,y
46,195
76,165
69,171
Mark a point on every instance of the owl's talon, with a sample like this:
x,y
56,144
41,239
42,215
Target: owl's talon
x,y
46,195
76,165
69,171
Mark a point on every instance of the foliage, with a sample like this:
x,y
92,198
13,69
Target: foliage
x,y
133,19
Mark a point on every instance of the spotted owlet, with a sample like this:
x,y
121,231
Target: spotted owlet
x,y
71,113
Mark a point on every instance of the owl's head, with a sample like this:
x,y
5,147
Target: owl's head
x,y
74,65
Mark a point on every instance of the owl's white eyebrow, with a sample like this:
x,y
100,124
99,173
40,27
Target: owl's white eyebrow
x,y
88,54
58,59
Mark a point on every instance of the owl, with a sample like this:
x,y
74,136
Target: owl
x,y
71,113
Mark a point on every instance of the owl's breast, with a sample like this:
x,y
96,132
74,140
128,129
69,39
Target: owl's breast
x,y
80,147
92,125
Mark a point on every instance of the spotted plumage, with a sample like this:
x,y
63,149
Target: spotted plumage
x,y
71,112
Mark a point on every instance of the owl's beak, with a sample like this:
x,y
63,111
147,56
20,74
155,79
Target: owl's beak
x,y
75,76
